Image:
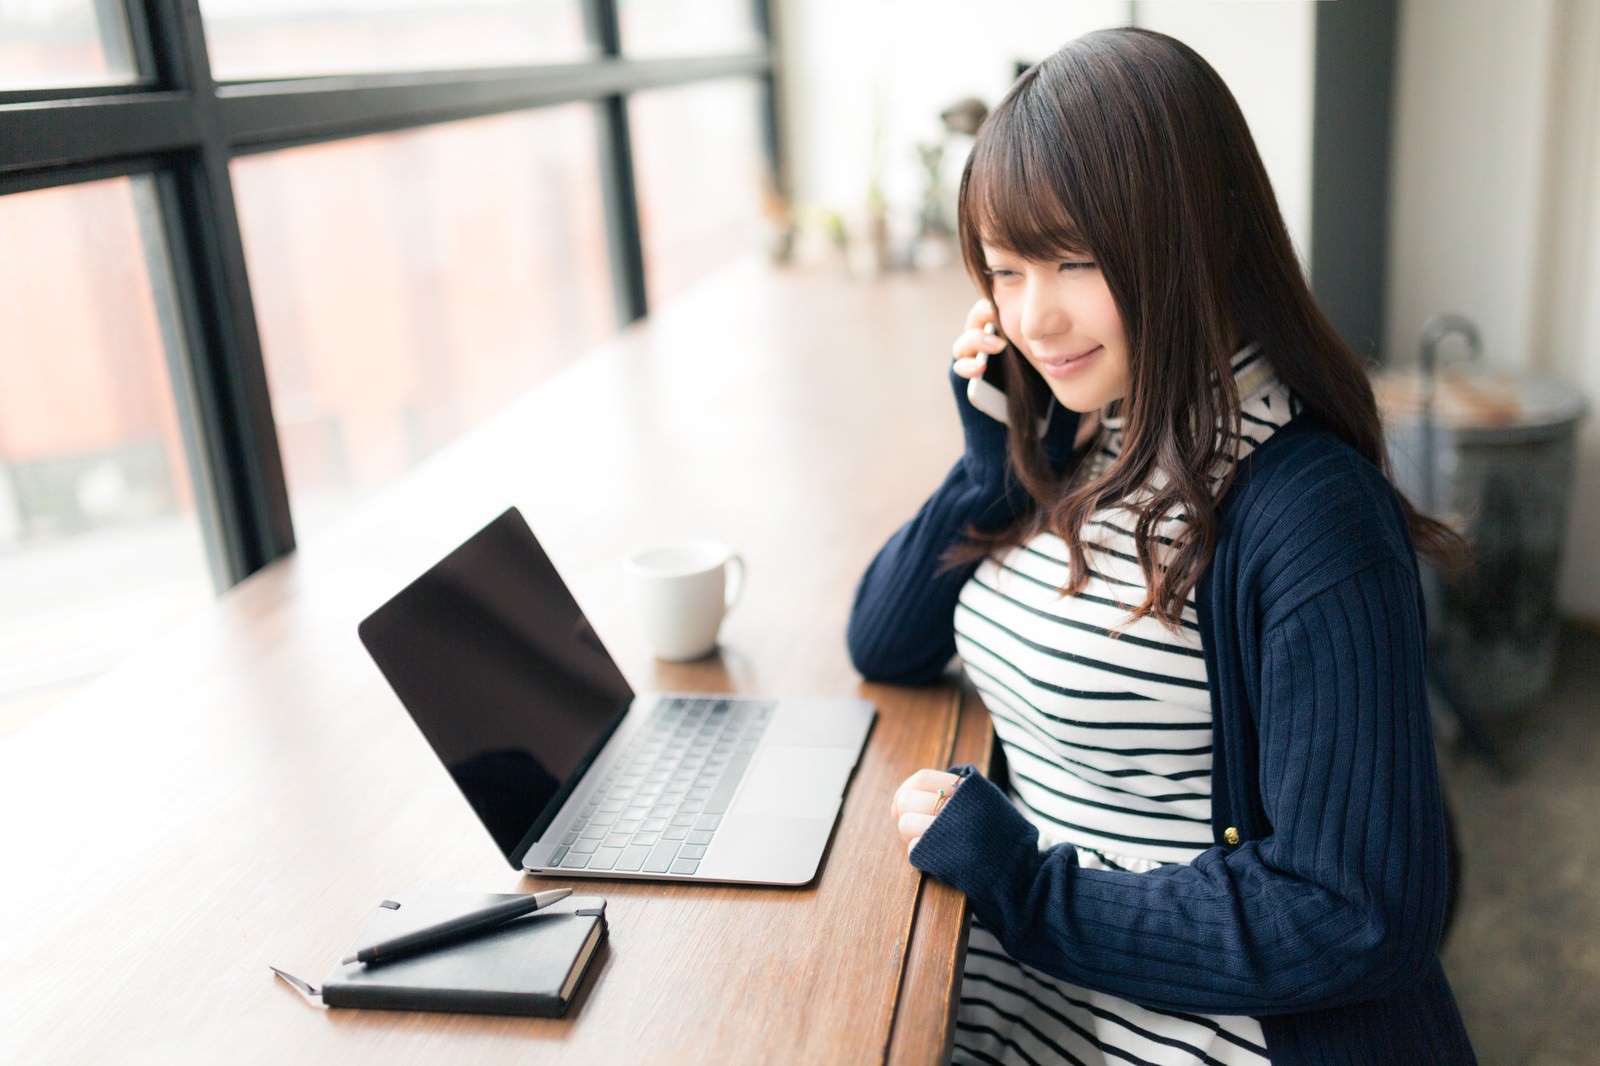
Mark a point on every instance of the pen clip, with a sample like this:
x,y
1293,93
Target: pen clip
x,y
310,993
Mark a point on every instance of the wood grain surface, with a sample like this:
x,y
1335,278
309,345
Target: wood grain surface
x,y
246,789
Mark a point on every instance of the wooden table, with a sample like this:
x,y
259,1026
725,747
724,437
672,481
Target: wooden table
x,y
247,789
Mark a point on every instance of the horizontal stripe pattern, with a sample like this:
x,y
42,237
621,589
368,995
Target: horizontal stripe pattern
x,y
1009,1013
1105,720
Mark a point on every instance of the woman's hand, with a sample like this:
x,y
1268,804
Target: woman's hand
x,y
918,801
972,349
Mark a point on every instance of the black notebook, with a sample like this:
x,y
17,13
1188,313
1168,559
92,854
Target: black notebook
x,y
530,965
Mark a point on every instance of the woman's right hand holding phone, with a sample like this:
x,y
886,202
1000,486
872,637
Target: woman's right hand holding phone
x,y
978,341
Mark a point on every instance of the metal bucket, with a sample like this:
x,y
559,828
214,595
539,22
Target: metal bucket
x,y
1494,457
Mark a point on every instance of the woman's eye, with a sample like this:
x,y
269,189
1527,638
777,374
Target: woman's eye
x,y
1077,264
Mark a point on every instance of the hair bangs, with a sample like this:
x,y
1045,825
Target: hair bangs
x,y
1015,198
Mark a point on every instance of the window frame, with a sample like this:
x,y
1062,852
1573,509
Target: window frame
x,y
182,127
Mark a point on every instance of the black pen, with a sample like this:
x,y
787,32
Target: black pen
x,y
456,929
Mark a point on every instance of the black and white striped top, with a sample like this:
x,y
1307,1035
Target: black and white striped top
x,y
1106,725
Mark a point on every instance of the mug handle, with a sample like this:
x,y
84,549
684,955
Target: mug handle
x,y
735,587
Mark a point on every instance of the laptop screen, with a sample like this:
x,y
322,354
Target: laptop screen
x,y
503,674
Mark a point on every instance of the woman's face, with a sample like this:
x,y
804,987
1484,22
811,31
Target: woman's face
x,y
1061,316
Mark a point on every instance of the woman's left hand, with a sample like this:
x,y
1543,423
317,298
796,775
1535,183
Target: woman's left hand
x,y
918,801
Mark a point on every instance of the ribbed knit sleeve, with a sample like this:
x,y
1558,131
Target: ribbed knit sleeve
x,y
902,626
1340,898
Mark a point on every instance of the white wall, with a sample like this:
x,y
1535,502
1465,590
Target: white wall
x,y
1495,208
1567,333
848,67
1468,158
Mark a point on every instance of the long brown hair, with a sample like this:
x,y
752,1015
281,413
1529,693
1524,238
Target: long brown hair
x,y
1126,145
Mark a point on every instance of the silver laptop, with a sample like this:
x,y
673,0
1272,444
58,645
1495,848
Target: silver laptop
x,y
574,774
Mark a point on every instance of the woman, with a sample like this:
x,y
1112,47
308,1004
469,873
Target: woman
x,y
1191,606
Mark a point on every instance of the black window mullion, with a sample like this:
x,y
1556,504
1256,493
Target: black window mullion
x,y
622,210
44,135
266,115
771,141
617,189
243,468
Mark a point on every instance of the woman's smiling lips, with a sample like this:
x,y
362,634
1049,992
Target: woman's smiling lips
x,y
1058,366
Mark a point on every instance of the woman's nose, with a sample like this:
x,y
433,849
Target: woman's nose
x,y
1043,314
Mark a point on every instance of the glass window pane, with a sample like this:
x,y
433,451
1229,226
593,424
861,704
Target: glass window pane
x,y
409,285
100,544
687,27
47,45
278,38
700,172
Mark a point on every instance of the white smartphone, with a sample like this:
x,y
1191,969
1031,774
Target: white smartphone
x,y
986,396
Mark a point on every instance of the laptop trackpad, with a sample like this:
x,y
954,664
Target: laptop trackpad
x,y
773,851
794,782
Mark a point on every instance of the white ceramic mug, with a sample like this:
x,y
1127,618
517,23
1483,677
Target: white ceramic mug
x,y
681,592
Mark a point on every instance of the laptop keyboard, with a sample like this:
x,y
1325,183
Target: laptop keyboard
x,y
660,805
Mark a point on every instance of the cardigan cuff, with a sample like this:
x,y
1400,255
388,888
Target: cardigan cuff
x,y
982,845
986,450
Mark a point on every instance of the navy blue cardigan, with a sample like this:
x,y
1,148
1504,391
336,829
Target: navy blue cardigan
x,y
1320,906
